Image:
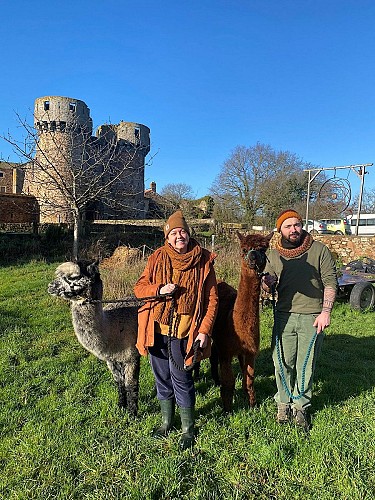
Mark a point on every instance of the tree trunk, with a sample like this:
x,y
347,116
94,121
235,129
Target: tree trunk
x,y
76,235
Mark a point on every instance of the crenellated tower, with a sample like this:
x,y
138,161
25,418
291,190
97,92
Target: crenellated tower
x,y
55,114
66,145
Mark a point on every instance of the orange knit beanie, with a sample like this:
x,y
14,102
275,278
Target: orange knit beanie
x,y
286,214
176,220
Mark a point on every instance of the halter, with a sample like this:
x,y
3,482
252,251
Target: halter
x,y
257,261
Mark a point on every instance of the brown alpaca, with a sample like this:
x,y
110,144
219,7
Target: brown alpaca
x,y
236,329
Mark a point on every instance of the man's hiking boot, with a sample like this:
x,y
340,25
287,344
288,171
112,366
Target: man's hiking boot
x,y
284,413
301,419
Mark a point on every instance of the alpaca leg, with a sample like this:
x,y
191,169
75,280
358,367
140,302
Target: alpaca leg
x,y
117,371
131,375
214,362
126,376
122,401
248,379
227,384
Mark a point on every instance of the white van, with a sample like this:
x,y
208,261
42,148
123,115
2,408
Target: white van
x,y
366,224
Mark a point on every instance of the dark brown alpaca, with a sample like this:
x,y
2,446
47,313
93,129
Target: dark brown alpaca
x,y
236,329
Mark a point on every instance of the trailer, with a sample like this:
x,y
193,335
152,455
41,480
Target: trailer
x,y
356,284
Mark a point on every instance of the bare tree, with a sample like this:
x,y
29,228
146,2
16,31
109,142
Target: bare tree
x,y
177,193
368,202
75,176
258,182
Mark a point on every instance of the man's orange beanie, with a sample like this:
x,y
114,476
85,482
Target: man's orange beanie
x,y
176,220
286,214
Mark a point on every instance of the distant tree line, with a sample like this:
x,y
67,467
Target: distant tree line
x,y
256,182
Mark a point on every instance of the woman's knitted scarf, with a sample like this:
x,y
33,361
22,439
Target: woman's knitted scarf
x,y
183,270
290,251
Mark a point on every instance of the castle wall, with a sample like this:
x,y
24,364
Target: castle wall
x,y
6,179
17,208
11,178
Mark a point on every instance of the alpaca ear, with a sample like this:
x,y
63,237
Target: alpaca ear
x,y
269,237
93,269
240,236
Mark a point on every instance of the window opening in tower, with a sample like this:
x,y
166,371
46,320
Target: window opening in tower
x,y
137,136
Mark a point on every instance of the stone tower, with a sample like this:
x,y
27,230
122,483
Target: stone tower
x,y
54,113
66,147
133,140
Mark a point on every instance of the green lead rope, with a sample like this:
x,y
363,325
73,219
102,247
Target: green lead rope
x,y
282,373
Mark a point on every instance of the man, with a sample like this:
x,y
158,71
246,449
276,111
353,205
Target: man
x,y
303,273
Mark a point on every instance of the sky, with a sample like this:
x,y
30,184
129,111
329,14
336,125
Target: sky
x,y
205,76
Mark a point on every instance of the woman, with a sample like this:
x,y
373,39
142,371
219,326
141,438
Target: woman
x,y
181,266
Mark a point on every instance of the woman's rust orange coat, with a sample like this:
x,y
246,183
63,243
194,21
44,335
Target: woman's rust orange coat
x,y
205,309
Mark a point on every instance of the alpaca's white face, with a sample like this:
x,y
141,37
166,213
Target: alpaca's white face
x,y
70,283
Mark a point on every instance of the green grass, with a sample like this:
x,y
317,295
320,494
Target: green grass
x,y
63,437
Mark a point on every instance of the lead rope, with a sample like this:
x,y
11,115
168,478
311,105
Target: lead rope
x,y
136,301
196,345
277,342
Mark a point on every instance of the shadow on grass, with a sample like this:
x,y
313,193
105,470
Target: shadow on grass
x,y
344,370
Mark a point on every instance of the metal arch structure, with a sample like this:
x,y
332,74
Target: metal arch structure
x,y
359,170
339,191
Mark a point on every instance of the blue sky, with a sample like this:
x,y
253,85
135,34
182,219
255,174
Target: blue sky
x,y
205,76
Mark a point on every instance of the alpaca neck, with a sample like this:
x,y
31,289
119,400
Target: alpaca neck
x,y
88,320
247,301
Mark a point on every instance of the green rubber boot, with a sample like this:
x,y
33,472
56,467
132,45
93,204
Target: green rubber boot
x,y
167,407
187,427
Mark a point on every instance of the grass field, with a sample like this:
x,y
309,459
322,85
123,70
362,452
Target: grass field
x,y
63,437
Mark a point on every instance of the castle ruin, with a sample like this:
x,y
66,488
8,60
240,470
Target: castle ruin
x,y
70,161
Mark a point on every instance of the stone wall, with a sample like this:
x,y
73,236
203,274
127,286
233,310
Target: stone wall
x,y
349,248
25,228
345,248
6,178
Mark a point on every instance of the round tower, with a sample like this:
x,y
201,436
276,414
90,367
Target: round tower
x,y
134,141
64,127
56,114
134,134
